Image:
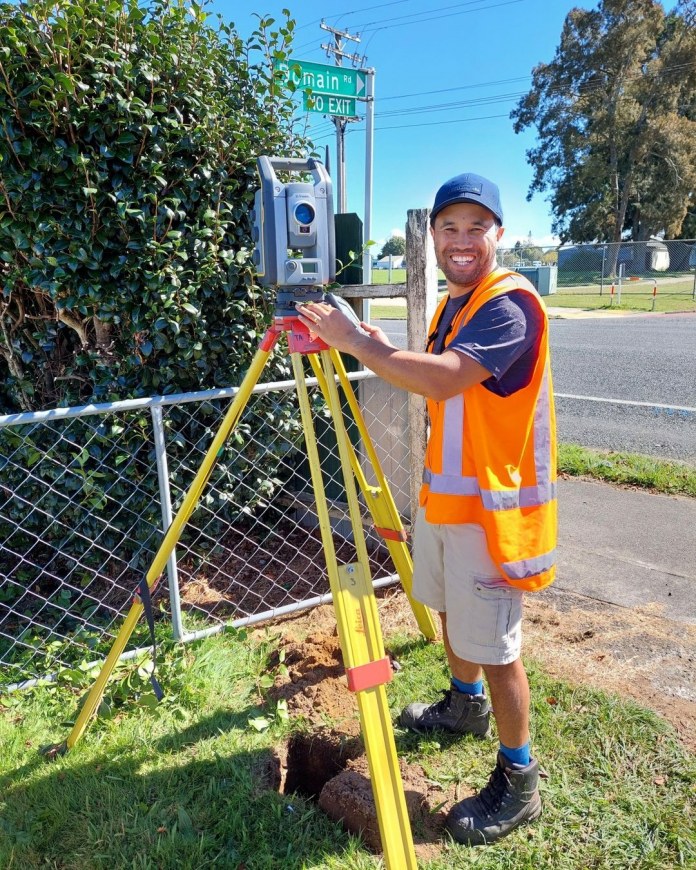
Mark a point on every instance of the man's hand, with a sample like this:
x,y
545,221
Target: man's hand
x,y
377,333
438,376
331,325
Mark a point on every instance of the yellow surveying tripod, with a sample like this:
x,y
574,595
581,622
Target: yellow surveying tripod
x,y
367,666
368,669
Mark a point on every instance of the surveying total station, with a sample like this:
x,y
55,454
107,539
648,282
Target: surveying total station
x,y
295,253
297,219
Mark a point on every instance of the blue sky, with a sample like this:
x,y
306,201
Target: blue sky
x,y
469,62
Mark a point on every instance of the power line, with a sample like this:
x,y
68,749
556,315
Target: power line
x,y
424,13
457,104
354,11
419,17
424,124
428,16
369,8
457,88
437,123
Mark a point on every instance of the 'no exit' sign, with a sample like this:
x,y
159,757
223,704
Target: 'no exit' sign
x,y
330,90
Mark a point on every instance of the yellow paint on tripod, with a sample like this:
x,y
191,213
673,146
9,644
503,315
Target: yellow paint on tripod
x,y
91,704
355,604
379,499
356,595
97,691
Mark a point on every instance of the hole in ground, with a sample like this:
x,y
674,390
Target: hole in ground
x,y
313,759
331,769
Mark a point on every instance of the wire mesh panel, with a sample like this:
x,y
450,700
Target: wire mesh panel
x,y
252,545
81,518
78,519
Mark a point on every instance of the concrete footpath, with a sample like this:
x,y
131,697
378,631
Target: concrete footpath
x,y
628,547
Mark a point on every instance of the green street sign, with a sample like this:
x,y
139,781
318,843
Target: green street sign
x,y
326,104
319,78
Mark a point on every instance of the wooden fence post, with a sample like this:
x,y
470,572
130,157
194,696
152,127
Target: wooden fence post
x,y
421,295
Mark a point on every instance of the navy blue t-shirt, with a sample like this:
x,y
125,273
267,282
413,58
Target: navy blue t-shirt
x,y
503,336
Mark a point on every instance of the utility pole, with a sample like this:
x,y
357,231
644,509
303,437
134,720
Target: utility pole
x,y
337,50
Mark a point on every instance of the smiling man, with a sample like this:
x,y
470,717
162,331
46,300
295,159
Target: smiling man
x,y
485,532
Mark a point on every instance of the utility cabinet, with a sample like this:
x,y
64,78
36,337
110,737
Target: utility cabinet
x,y
544,278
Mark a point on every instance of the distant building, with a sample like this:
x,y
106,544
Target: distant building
x,y
636,257
397,262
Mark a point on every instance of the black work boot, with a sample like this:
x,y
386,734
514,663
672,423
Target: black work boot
x,y
510,799
457,712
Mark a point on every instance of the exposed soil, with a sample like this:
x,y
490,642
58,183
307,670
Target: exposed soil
x,y
260,570
328,763
634,652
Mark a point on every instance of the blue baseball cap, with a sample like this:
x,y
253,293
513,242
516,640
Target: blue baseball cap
x,y
468,188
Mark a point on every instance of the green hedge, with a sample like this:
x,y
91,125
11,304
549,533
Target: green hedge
x,y
127,160
128,148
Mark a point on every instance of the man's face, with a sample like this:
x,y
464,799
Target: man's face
x,y
466,237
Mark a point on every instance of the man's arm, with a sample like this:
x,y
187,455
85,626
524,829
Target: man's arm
x,y
437,376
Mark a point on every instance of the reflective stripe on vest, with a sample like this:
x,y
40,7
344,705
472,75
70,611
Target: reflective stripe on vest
x,y
530,567
452,482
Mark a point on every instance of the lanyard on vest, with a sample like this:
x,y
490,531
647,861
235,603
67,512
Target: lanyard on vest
x,y
432,338
490,279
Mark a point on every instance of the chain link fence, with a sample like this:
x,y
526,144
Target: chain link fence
x,y
591,268
85,494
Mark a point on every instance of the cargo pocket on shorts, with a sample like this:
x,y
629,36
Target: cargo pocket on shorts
x,y
491,613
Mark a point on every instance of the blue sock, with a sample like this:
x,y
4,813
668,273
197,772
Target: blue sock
x,y
468,688
519,756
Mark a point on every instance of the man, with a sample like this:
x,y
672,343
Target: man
x,y
486,526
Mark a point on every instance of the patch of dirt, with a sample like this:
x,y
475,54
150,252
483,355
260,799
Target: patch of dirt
x,y
259,569
348,798
636,653
328,763
315,688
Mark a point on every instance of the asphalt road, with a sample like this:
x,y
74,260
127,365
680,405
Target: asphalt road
x,y
639,359
649,359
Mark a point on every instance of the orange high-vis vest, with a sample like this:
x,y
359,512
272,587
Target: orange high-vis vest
x,y
491,459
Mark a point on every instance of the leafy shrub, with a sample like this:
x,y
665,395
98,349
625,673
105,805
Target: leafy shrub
x,y
128,147
127,172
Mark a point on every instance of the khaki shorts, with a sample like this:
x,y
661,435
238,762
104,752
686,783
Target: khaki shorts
x,y
453,574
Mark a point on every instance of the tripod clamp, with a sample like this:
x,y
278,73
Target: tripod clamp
x,y
285,319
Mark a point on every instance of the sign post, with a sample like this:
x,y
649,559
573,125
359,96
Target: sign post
x,y
369,151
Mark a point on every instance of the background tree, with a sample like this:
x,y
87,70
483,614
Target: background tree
x,y
394,246
688,230
528,252
128,140
616,122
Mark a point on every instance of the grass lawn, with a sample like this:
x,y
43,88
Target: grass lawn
x,y
628,469
186,784
672,296
381,276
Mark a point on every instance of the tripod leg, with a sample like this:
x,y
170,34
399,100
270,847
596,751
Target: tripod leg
x,y
172,536
379,499
367,667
